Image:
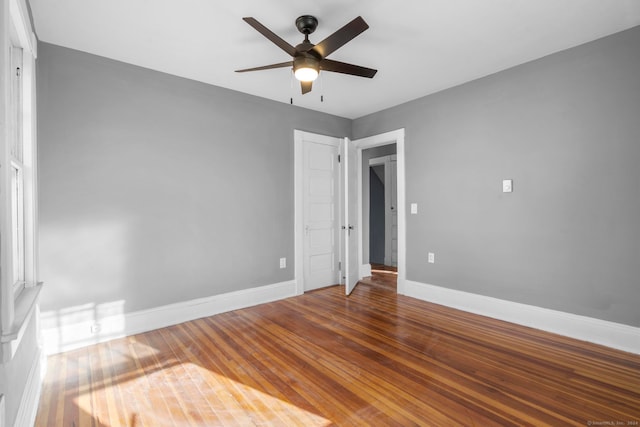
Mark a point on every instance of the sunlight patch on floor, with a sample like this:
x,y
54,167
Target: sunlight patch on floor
x,y
148,399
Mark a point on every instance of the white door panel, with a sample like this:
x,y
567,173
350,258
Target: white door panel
x,y
351,220
321,189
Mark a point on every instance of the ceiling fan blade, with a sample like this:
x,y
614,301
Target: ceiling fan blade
x,y
306,87
271,36
343,67
341,37
268,67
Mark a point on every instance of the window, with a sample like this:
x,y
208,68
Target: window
x,y
19,286
17,172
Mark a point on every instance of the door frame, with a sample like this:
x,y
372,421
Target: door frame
x,y
298,218
397,137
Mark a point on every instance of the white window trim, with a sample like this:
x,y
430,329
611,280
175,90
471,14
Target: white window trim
x,y
19,281
17,308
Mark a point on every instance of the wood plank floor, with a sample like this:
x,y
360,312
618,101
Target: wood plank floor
x,y
374,358
382,275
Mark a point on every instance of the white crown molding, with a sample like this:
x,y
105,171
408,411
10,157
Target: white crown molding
x,y
610,334
60,336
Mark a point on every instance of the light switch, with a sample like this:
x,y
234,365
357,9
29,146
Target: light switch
x,y
432,258
507,185
283,263
414,208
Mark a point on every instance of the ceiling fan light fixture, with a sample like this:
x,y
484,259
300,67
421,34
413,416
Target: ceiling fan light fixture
x,y
306,69
306,74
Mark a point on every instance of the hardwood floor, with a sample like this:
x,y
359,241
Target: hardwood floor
x,y
373,358
382,275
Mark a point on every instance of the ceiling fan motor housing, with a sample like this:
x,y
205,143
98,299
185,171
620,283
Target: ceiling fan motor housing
x,y
306,61
306,24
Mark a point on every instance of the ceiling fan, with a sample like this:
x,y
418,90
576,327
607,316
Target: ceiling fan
x,y
309,59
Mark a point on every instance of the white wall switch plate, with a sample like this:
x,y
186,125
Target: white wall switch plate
x,y
507,185
432,258
283,263
414,208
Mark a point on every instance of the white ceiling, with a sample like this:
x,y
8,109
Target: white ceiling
x,y
418,46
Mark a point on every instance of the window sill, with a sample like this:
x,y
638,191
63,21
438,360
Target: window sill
x,y
25,306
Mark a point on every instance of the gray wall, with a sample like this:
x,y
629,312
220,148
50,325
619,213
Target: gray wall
x,y
156,189
566,129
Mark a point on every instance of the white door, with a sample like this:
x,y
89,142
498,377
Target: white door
x,y
321,191
351,216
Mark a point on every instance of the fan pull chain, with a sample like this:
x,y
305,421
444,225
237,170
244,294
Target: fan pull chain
x,y
291,80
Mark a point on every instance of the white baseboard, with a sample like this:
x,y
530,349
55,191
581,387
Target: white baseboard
x,y
62,335
365,270
610,334
31,395
2,415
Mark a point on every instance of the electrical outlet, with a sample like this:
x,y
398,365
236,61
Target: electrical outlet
x,y
432,258
95,328
414,208
283,263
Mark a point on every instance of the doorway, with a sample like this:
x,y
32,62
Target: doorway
x,y
389,144
377,214
380,207
350,201
382,213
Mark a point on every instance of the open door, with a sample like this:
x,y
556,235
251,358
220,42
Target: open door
x,y
350,222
